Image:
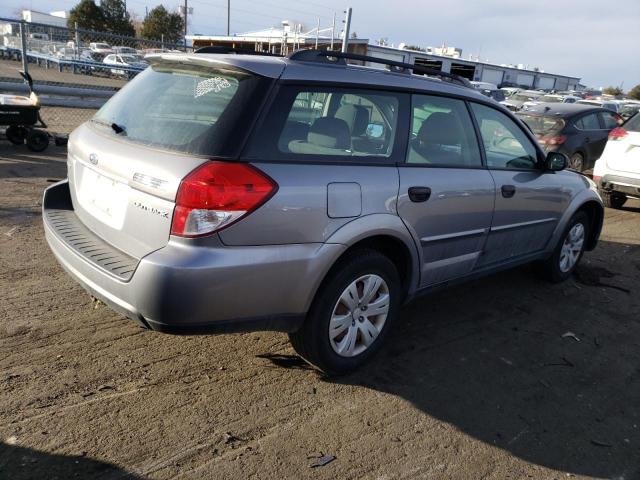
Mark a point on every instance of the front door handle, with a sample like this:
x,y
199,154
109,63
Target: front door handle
x,y
419,194
508,191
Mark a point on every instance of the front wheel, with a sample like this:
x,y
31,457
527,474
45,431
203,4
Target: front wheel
x,y
569,249
16,134
351,314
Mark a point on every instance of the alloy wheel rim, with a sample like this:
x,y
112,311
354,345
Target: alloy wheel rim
x,y
359,315
575,162
571,248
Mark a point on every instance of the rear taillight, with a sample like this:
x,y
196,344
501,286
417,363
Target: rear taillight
x,y
617,133
217,194
552,139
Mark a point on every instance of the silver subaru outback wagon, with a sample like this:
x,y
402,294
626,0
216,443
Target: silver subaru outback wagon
x,y
226,193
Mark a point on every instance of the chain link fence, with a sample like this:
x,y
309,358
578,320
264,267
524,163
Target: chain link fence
x,y
74,70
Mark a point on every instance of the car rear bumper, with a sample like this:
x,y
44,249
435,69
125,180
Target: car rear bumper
x,y
618,183
183,288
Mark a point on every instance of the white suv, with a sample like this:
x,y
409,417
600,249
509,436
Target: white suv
x,y
617,172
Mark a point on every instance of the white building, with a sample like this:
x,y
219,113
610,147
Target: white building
x,y
54,19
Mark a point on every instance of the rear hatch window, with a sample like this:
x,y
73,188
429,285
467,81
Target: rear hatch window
x,y
541,125
186,108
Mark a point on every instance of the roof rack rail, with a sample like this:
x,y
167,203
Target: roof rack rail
x,y
238,51
333,57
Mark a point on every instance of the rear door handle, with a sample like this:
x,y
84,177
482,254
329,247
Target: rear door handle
x,y
419,194
508,191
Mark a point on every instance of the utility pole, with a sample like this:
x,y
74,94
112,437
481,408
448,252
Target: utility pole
x,y
347,27
333,29
186,12
317,32
23,46
228,18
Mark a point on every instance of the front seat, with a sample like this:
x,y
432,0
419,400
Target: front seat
x,y
440,140
357,117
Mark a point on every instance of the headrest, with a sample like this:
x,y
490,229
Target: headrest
x,y
441,128
330,132
356,116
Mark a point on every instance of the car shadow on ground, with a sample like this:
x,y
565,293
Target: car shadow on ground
x,y
17,463
549,373
17,161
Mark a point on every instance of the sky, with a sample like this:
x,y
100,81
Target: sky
x,y
591,39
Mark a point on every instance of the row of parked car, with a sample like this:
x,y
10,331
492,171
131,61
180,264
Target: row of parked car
x,y
517,99
566,122
100,52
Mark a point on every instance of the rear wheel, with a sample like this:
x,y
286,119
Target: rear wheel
x,y
16,134
351,314
612,200
37,140
569,249
576,162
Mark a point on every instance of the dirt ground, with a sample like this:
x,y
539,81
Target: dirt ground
x,y
477,382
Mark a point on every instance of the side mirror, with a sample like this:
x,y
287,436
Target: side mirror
x,y
375,130
556,161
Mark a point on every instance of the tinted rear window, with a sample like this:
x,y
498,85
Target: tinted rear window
x,y
326,123
541,125
186,108
633,124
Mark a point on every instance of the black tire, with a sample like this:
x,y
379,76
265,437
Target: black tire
x,y
16,134
550,268
37,140
576,162
312,342
612,200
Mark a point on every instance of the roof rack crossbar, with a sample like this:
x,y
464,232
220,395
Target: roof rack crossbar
x,y
238,51
325,56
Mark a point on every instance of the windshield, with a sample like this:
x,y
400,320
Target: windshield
x,y
128,58
186,108
541,125
550,99
102,45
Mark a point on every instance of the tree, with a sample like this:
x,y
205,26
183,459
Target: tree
x,y
116,18
160,22
634,92
615,91
415,47
87,15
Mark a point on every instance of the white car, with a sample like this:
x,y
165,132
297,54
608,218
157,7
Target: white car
x,y
608,104
550,98
617,172
98,47
124,61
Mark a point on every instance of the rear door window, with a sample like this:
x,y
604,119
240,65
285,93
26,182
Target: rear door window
x,y
326,123
442,133
588,122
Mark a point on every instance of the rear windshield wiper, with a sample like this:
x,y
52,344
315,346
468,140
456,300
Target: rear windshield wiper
x,y
114,126
117,128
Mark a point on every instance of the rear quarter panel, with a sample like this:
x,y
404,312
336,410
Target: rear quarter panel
x,y
298,212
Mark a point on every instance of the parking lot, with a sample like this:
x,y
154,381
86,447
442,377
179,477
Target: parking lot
x,y
504,377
